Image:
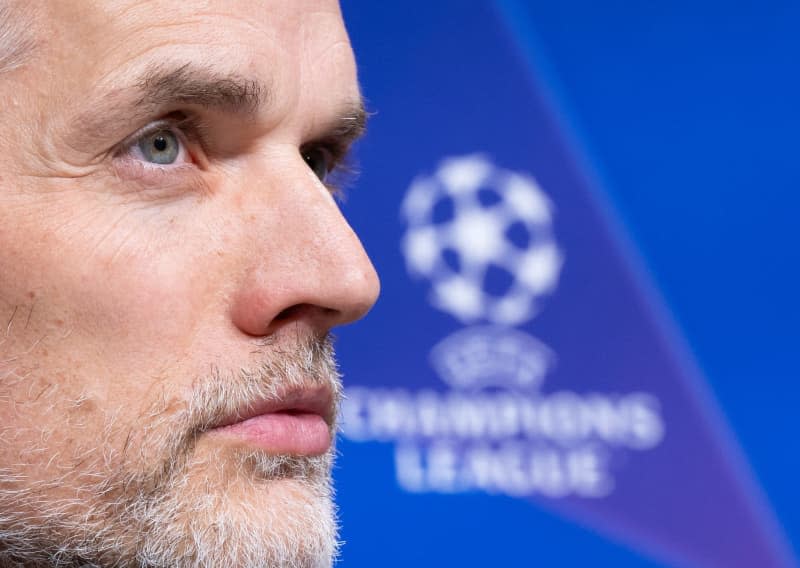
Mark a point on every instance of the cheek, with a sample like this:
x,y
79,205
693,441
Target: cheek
x,y
106,309
142,301
143,314
96,332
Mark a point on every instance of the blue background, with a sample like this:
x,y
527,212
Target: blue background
x,y
684,117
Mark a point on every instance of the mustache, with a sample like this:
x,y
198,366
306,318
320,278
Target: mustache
x,y
306,362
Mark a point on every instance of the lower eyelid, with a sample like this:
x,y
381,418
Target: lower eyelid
x,y
127,167
161,183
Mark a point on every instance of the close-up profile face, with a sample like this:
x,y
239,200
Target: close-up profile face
x,y
172,259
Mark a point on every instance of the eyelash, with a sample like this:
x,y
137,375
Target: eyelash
x,y
192,133
341,172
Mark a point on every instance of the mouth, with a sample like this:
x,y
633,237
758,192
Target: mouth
x,y
300,422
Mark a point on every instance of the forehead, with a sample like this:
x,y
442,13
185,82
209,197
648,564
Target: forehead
x,y
299,47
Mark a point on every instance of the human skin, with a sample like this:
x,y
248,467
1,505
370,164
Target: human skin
x,y
126,287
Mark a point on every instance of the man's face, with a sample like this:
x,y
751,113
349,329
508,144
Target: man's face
x,y
170,265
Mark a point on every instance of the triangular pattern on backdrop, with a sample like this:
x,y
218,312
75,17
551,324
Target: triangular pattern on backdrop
x,y
536,362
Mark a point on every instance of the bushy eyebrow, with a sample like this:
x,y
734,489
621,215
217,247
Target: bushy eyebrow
x,y
189,84
349,125
162,87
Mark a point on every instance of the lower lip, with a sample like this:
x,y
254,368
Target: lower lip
x,y
283,433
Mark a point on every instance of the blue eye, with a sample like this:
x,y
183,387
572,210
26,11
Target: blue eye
x,y
160,147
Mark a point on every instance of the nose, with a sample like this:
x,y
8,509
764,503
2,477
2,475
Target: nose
x,y
305,262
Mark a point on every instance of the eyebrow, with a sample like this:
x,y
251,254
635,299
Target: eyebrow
x,y
160,88
188,84
349,125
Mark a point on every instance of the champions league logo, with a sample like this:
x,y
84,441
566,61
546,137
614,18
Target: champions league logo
x,y
482,238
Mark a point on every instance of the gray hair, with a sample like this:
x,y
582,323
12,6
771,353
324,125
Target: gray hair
x,y
16,42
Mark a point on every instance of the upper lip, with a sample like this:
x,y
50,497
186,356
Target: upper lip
x,y
317,399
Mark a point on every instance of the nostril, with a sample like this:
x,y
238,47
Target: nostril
x,y
291,312
320,314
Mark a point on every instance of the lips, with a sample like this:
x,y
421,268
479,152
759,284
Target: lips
x,y
297,423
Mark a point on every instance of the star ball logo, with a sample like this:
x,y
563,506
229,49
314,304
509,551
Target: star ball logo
x,y
482,237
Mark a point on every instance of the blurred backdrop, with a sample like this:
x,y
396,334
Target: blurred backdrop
x,y
584,215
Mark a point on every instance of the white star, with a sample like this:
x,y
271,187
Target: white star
x,y
421,250
526,200
459,297
464,175
419,200
539,268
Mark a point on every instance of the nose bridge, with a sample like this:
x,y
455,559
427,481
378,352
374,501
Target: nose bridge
x,y
315,240
302,254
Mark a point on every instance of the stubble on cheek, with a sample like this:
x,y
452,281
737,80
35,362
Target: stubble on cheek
x,y
57,438
118,495
111,486
34,412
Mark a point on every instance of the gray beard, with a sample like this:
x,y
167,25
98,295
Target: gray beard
x,y
158,503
